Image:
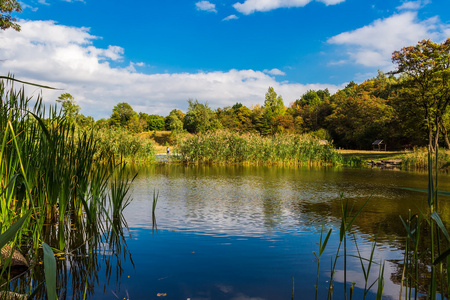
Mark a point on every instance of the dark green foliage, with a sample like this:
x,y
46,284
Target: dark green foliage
x,y
200,118
174,121
155,122
122,114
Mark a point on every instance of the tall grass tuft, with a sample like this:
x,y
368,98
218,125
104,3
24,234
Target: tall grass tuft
x,y
418,158
124,145
224,147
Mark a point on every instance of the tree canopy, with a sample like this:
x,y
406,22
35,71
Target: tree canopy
x,y
6,8
425,88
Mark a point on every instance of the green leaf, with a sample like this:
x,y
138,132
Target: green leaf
x,y
441,257
43,127
50,272
435,216
325,242
410,234
29,83
10,233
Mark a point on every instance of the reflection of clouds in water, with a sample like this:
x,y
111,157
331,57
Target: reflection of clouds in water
x,y
227,289
238,206
355,274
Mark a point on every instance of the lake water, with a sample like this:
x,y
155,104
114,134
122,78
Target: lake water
x,y
246,232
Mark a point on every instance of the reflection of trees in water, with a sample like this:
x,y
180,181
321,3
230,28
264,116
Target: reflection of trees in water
x,y
79,267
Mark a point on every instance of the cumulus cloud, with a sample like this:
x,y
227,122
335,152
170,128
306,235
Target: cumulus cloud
x,y
65,57
251,6
372,45
230,17
206,6
413,5
274,72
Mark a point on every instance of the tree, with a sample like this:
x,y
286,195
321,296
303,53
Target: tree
x,y
200,117
155,122
122,113
173,121
69,107
273,109
358,117
426,86
6,8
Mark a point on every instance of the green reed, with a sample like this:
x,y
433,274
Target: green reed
x,y
426,258
418,158
224,147
124,145
58,175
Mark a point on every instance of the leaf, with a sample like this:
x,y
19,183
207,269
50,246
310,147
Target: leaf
x,y
10,233
410,234
29,83
50,272
43,127
441,257
435,216
325,242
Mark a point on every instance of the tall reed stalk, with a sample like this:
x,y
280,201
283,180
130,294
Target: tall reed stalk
x,y
55,173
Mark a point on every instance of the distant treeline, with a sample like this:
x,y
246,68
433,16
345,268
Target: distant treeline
x,y
405,110
353,117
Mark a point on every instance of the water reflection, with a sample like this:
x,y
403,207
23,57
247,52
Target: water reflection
x,y
93,259
256,201
236,233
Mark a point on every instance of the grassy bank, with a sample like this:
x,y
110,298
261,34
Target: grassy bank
x,y
411,159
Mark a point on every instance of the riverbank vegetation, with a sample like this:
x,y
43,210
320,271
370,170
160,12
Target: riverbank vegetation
x,y
228,147
54,178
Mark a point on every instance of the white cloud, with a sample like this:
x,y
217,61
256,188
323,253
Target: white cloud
x,y
372,45
251,6
413,5
65,57
230,17
274,72
26,6
206,6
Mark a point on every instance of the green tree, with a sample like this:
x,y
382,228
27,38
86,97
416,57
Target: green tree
x,y
134,124
6,8
155,122
69,107
173,121
273,109
85,122
426,85
122,114
358,118
310,98
200,117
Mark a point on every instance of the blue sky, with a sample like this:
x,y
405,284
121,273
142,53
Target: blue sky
x,y
157,54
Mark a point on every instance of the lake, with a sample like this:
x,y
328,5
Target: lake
x,y
242,233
